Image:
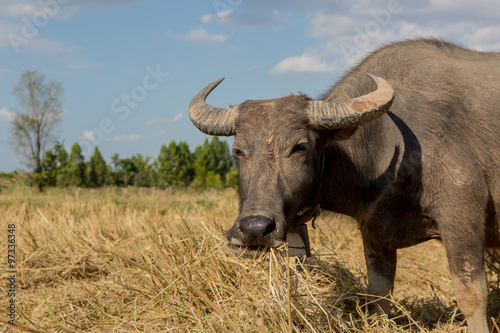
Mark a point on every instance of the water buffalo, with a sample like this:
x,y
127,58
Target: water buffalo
x,y
411,151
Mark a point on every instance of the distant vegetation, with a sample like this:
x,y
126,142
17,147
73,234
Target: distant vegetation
x,y
210,165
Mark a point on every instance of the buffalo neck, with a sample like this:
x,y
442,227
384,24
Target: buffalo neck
x,y
365,167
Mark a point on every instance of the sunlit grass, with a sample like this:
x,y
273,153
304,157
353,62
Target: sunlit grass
x,y
134,260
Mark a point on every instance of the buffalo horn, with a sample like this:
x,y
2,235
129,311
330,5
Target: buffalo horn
x,y
352,112
209,119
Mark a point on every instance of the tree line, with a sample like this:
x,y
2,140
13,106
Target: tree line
x,y
211,165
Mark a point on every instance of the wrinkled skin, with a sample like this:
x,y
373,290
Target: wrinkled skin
x,y
428,168
278,159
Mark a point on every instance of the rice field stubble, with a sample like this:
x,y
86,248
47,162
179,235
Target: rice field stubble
x,y
130,260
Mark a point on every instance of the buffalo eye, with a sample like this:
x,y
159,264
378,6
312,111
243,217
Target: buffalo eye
x,y
238,153
301,147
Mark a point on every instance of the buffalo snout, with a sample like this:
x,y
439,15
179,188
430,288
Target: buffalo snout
x,y
256,231
256,228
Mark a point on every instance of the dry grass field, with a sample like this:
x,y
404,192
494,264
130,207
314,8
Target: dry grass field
x,y
128,260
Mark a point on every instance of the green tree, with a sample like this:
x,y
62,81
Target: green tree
x,y
184,165
212,162
116,172
33,127
166,164
142,170
50,168
54,165
232,178
220,160
62,162
98,170
200,165
175,165
135,170
153,173
127,170
74,175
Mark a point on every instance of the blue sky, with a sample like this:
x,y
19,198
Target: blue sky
x,y
129,67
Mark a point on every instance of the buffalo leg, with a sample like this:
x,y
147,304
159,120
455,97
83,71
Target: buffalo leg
x,y
466,261
381,270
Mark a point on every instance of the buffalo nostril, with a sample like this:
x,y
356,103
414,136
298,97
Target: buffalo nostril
x,y
270,228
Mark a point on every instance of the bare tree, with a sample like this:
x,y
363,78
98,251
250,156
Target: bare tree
x,y
34,124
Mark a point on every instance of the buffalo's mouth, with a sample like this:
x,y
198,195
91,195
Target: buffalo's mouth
x,y
296,238
297,245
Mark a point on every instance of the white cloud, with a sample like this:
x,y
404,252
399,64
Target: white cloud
x,y
220,17
209,18
155,121
123,138
21,22
50,47
330,26
12,37
199,35
305,63
6,28
38,9
88,136
19,8
252,16
54,9
177,117
6,115
348,32
100,3
478,9
174,119
483,39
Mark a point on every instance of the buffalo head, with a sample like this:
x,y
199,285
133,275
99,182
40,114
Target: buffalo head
x,y
278,144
